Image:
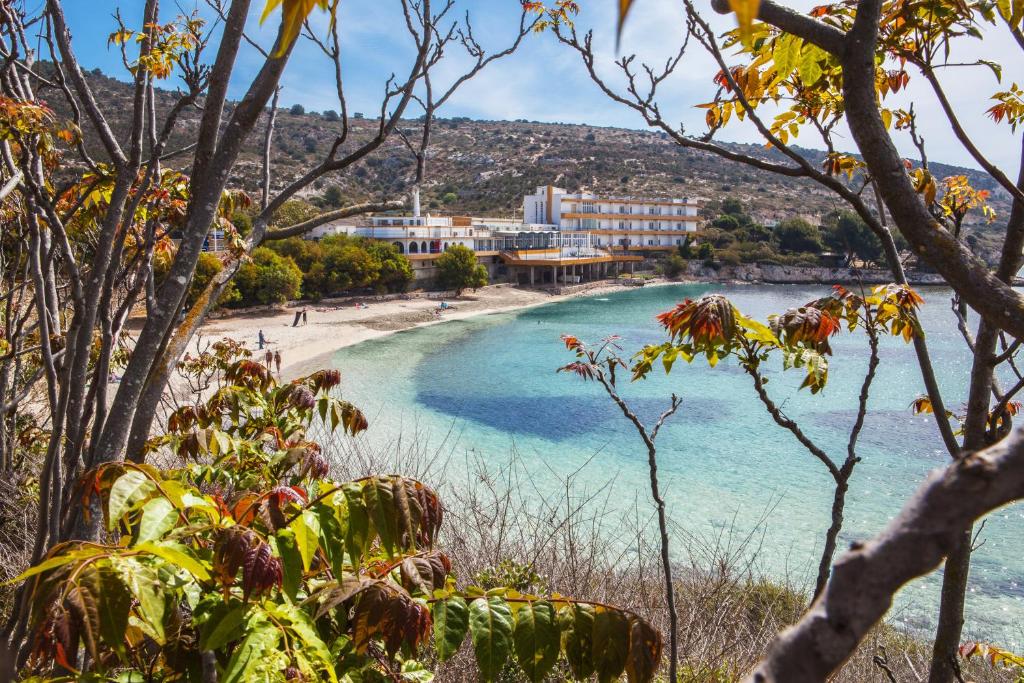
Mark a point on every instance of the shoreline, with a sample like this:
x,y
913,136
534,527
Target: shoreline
x,y
339,323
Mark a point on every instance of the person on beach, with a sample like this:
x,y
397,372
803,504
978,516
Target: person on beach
x,y
268,358
298,316
261,339
277,362
304,319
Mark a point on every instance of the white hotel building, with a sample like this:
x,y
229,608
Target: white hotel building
x,y
615,223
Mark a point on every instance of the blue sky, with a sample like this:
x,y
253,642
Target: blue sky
x,y
545,81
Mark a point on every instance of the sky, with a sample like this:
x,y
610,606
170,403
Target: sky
x,y
546,81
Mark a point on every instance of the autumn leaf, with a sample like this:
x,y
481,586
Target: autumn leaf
x,y
293,14
746,12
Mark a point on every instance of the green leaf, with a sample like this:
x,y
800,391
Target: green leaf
x,y
223,626
809,68
178,555
490,624
299,624
306,528
261,639
577,625
291,562
158,517
130,488
54,562
148,591
332,536
536,639
611,644
380,502
357,531
451,619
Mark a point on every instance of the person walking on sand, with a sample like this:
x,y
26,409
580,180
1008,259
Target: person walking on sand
x,y
304,319
268,358
298,315
277,362
261,339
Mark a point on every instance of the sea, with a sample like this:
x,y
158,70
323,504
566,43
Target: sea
x,y
486,390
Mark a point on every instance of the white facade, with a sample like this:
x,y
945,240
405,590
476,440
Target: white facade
x,y
615,222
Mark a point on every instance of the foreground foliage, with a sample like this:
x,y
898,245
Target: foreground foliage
x,y
248,561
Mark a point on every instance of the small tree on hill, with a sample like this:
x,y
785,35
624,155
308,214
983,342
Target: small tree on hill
x,y
457,269
795,235
297,110
845,233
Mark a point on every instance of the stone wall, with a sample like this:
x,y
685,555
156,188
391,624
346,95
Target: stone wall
x,y
778,274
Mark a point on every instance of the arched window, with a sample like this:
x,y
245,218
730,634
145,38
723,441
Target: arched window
x,y
423,248
400,247
446,246
413,248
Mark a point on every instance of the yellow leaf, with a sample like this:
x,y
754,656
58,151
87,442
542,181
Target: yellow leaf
x,y
624,6
746,12
294,13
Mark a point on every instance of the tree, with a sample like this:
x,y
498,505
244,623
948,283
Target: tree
x,y
449,198
268,279
395,273
331,116
94,208
732,207
795,235
714,328
601,364
842,64
458,269
333,196
297,110
845,233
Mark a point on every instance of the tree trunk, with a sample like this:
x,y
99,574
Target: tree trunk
x,y
951,611
831,538
954,579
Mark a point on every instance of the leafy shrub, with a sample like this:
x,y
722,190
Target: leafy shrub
x,y
268,278
673,266
249,563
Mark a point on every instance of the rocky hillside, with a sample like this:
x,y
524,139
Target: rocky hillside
x,y
485,167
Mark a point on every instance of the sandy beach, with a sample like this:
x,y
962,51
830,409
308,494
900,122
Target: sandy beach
x,y
339,323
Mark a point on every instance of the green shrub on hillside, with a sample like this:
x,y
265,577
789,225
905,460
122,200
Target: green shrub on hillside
x,y
795,235
268,278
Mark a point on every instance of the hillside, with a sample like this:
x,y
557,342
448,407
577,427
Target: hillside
x,y
489,165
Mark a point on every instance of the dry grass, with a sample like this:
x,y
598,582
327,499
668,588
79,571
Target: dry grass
x,y
501,530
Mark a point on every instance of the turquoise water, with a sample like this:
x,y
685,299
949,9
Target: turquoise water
x,y
489,386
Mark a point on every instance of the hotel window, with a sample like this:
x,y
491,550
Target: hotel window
x,y
651,243
588,207
650,210
622,209
650,225
622,225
